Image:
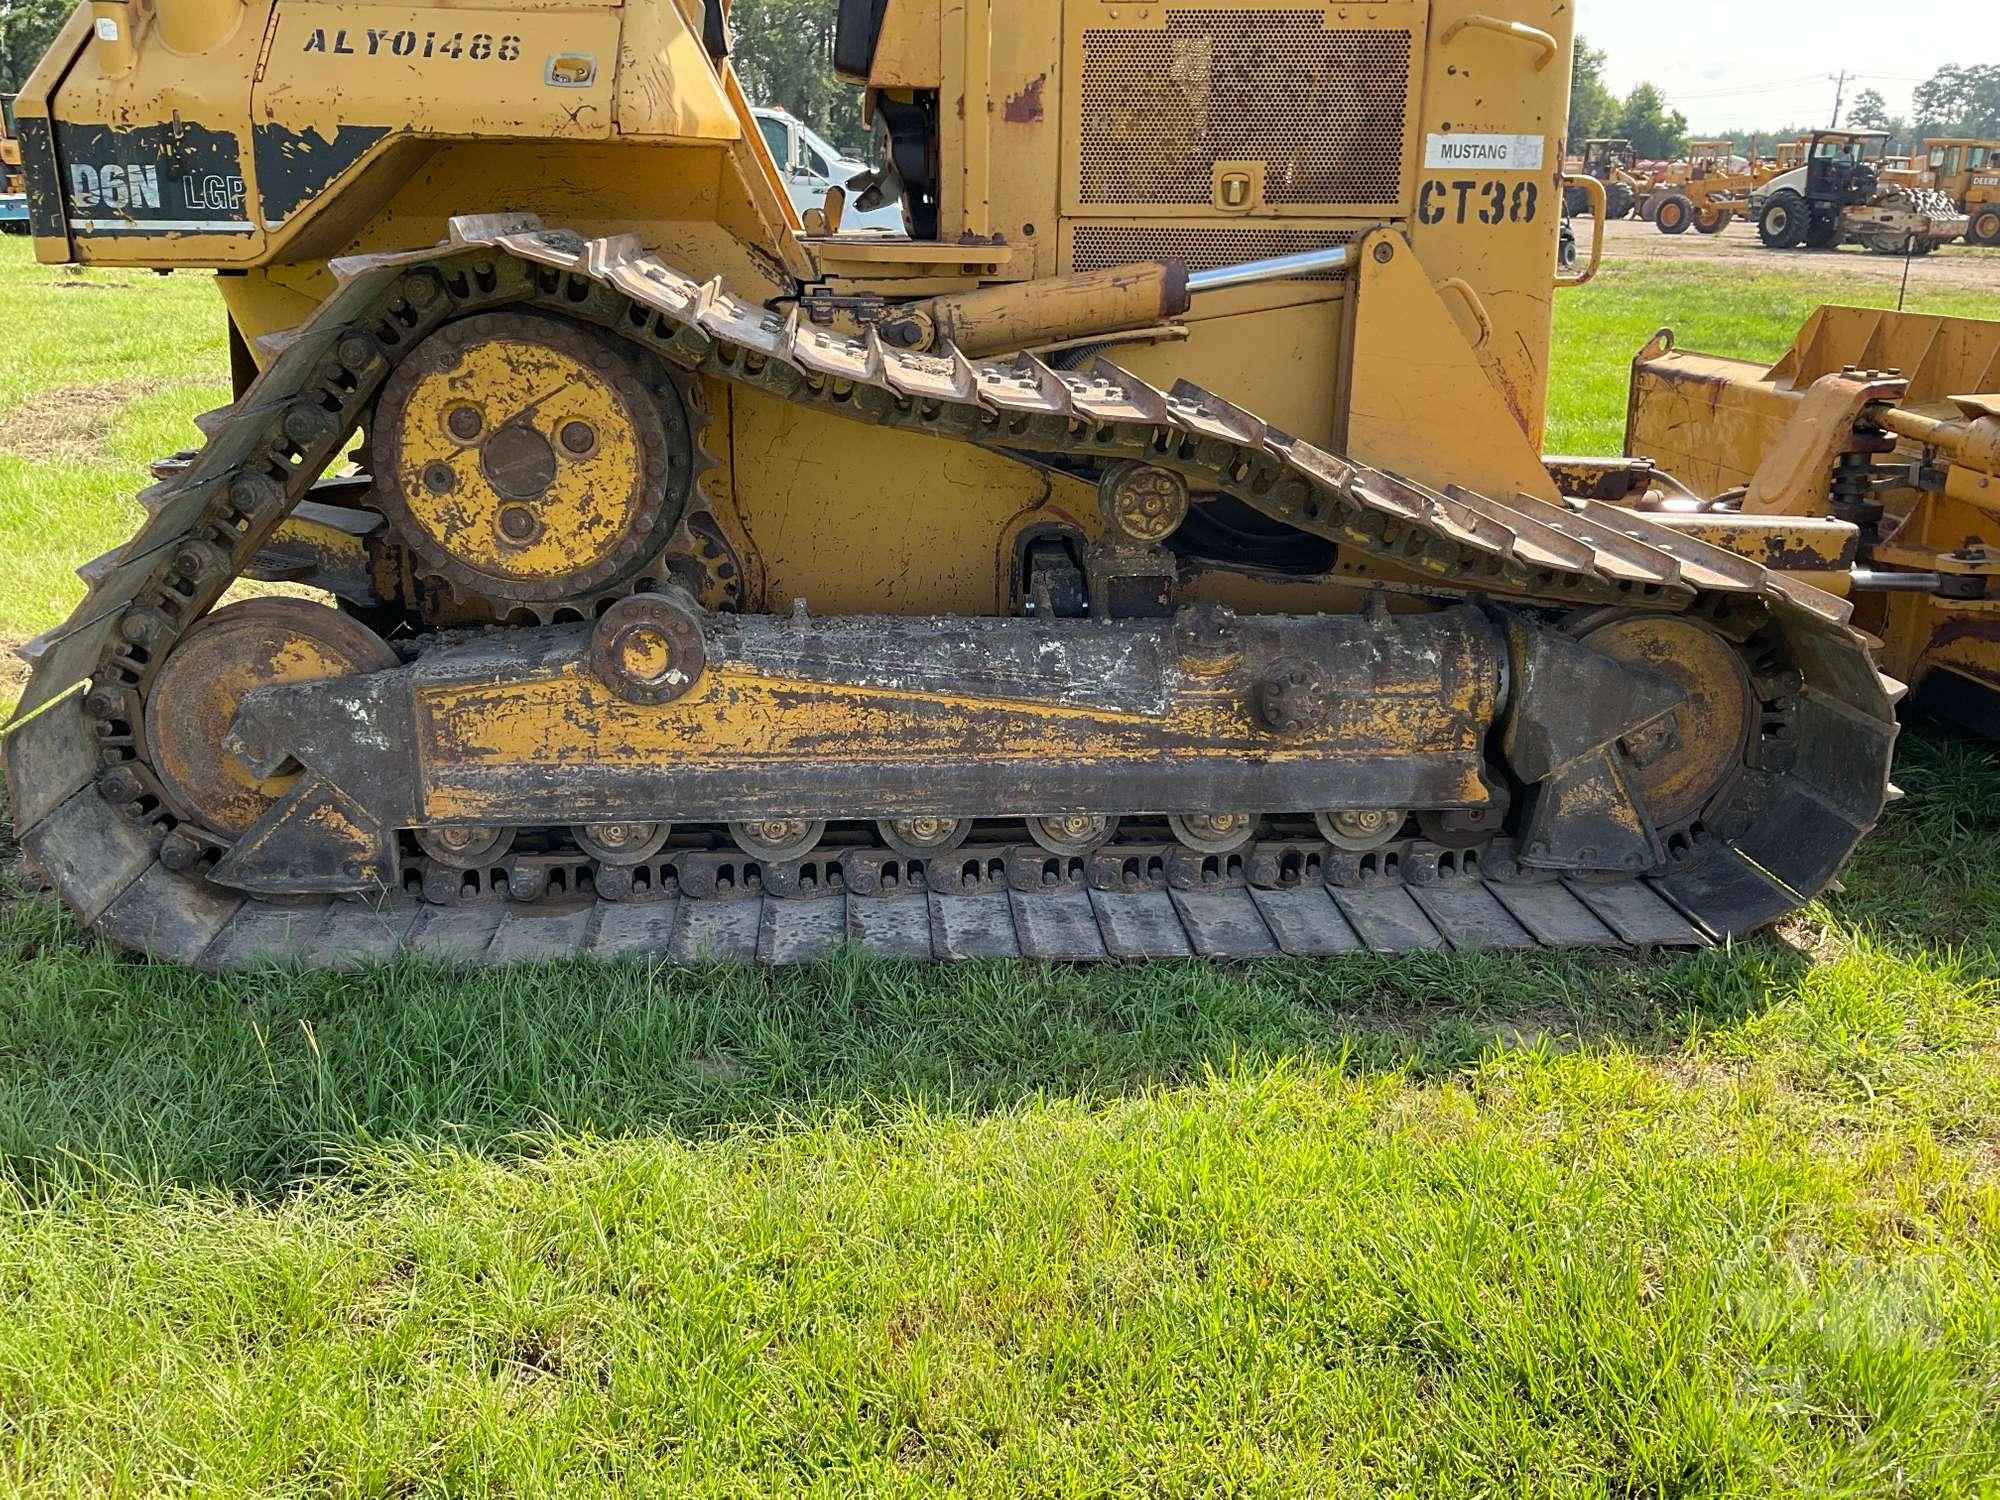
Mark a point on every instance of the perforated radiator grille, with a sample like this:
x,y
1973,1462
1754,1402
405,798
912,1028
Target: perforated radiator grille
x,y
1323,109
1096,246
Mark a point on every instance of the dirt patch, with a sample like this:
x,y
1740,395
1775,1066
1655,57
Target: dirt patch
x,y
13,675
73,424
1955,267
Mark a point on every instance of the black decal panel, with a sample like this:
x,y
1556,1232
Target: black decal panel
x,y
294,168
167,178
44,186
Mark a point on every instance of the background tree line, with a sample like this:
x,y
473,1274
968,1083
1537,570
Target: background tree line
x,y
26,29
1641,117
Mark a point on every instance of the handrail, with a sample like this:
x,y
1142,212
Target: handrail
x,y
1534,36
1477,308
1600,214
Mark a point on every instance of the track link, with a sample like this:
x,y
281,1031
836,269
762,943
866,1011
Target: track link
x,y
91,816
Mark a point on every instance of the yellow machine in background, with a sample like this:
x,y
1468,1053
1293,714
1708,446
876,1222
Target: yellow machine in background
x,y
1151,552
1614,163
1704,189
1883,411
1968,173
13,201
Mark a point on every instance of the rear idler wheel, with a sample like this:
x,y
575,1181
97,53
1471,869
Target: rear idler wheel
x,y
1072,833
915,838
778,841
621,843
1361,831
1213,833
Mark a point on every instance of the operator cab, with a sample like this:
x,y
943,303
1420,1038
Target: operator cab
x,y
1844,166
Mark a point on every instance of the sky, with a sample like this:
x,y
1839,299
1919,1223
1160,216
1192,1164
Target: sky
x,y
1771,62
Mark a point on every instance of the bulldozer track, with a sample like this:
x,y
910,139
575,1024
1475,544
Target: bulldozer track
x,y
89,814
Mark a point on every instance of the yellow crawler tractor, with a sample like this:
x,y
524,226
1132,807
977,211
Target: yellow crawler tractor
x,y
1151,552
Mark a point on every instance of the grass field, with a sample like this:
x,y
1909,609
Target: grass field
x,y
1454,1225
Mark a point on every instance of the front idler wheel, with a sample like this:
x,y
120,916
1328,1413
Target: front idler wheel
x,y
255,643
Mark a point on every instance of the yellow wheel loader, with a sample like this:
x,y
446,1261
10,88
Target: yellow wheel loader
x,y
1150,553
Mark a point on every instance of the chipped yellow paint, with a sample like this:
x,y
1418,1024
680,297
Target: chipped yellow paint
x,y
1681,775
252,644
462,497
567,721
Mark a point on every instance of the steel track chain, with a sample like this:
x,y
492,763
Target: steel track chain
x,y
1815,782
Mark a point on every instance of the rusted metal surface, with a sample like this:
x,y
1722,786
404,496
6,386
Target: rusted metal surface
x,y
1049,310
1796,808
1796,474
1876,482
1785,544
195,698
1167,720
529,461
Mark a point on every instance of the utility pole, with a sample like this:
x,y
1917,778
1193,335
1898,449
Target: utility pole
x,y
1839,93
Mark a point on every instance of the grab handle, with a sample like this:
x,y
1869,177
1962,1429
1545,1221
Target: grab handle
x,y
1534,36
1599,216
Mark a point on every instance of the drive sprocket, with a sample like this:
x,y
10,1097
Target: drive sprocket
x,y
527,460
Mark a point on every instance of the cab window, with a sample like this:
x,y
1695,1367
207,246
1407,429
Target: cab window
x,y
778,136
1980,156
815,164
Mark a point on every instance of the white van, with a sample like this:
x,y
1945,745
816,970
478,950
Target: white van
x,y
809,166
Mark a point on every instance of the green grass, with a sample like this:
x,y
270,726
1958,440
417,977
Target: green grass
x,y
1715,309
1453,1225
70,459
